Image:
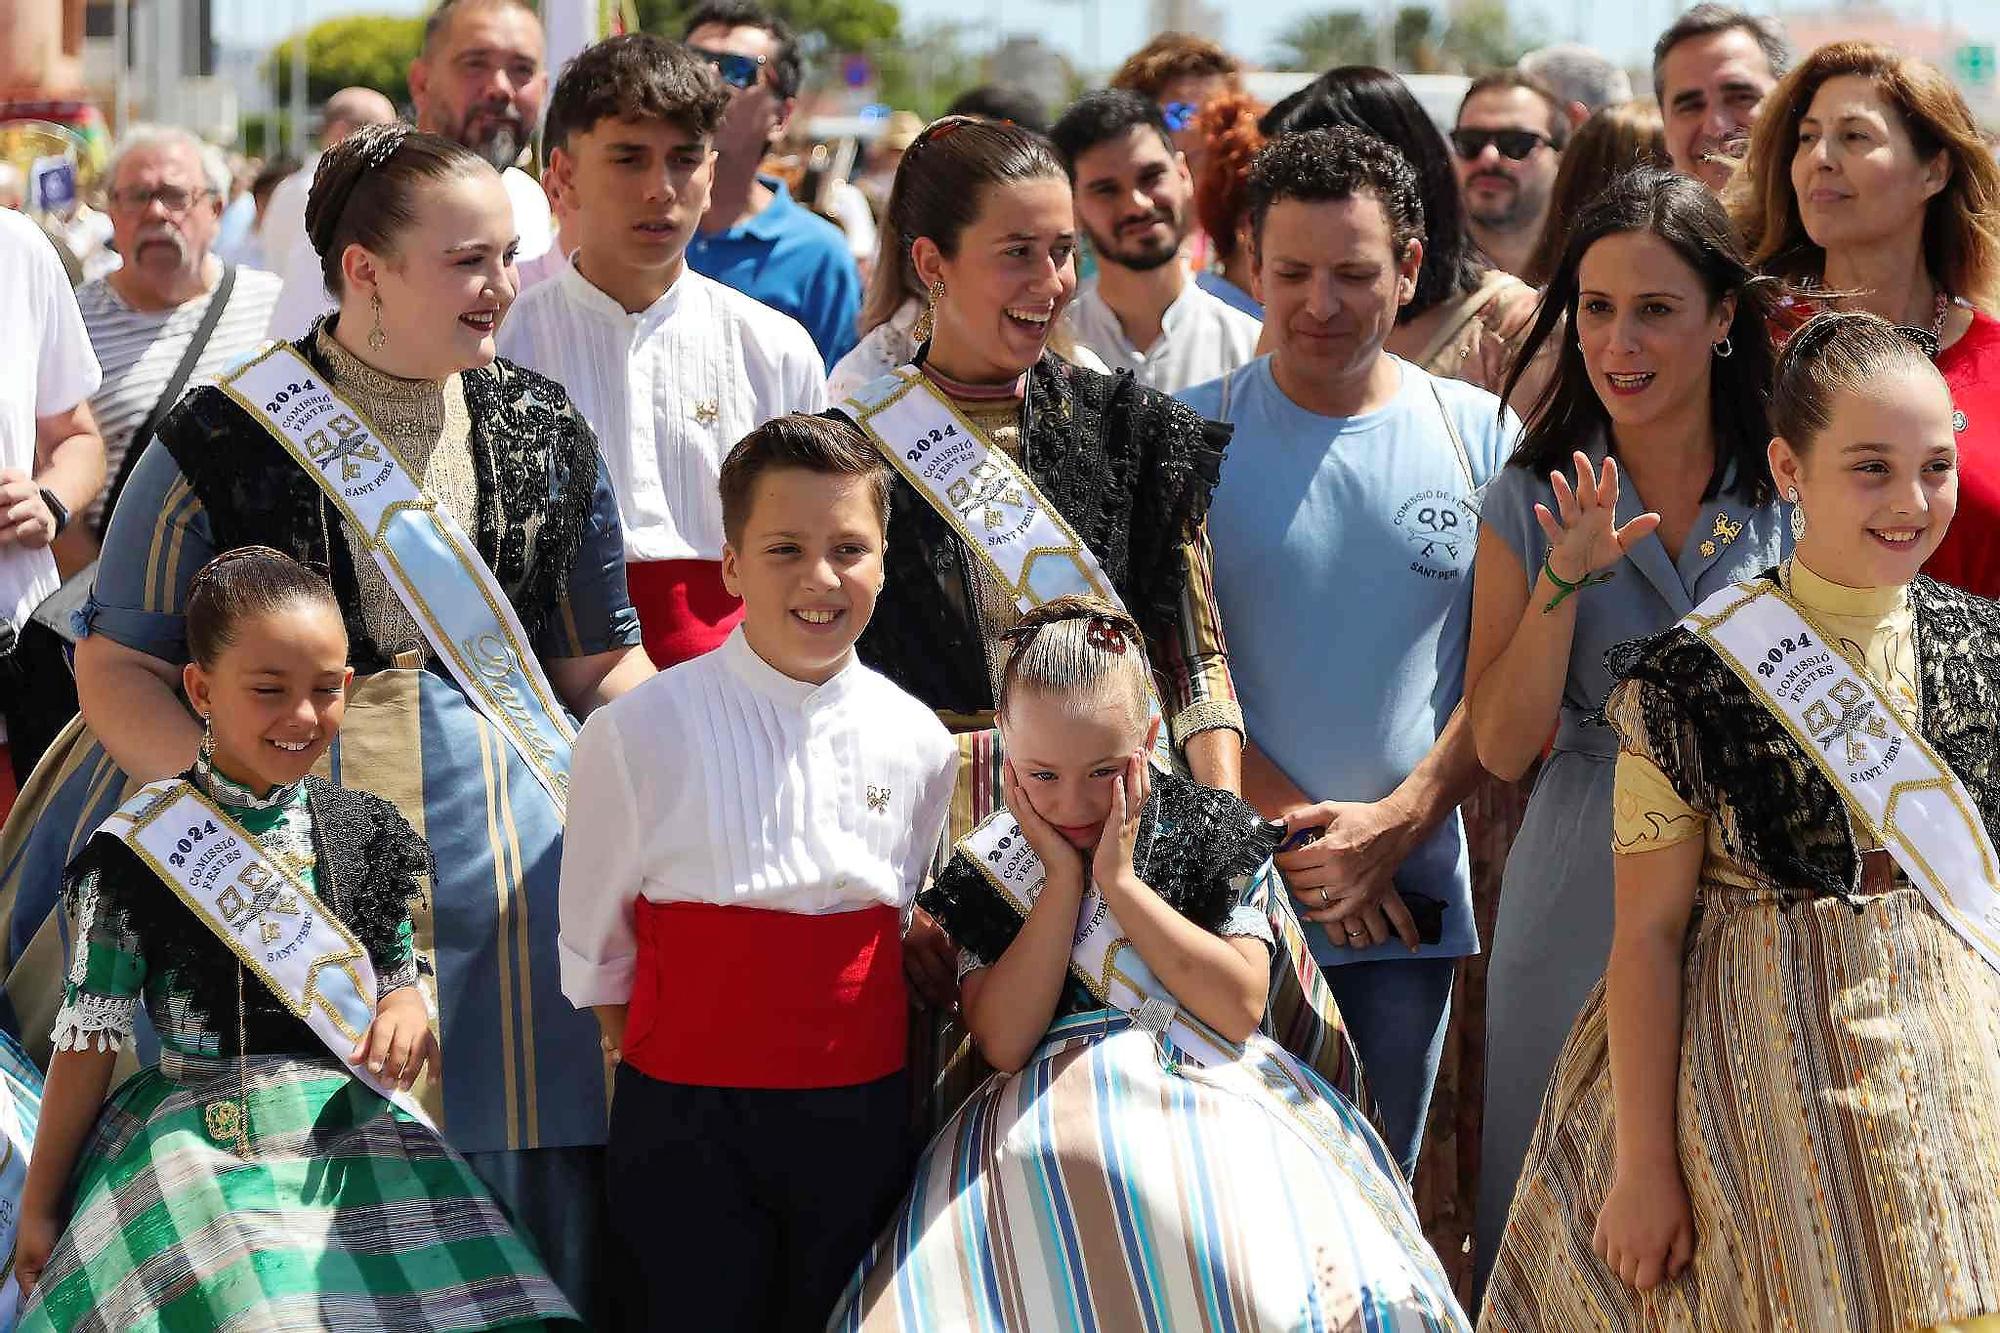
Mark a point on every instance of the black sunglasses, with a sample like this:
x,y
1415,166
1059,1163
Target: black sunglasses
x,y
737,71
1514,145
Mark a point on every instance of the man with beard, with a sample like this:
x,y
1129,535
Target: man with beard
x,y
150,320
755,237
1135,201
1712,71
1507,145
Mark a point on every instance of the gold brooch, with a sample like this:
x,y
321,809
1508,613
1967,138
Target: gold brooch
x,y
707,411
1726,530
223,1120
878,799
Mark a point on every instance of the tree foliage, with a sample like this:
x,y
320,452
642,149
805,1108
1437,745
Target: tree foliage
x,y
926,70
357,50
1480,36
822,25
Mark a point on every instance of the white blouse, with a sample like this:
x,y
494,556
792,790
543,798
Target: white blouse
x,y
724,781
668,391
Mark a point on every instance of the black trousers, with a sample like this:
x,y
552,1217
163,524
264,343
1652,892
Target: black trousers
x,y
37,695
747,1208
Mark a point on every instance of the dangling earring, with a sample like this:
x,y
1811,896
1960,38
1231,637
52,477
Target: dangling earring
x,y
1798,512
1725,349
377,339
927,322
207,751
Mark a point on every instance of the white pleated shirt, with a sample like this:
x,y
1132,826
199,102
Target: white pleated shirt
x,y
668,390
724,781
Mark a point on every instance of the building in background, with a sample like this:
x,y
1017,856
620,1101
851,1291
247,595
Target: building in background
x,y
1967,60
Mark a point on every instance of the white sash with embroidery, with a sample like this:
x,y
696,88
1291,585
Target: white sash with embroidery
x,y
1897,788
1101,957
984,495
271,921
435,570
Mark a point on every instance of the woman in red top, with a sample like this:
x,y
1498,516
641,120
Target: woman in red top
x,y
1868,185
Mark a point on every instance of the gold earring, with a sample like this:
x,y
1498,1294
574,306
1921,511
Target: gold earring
x,y
377,339
206,754
926,323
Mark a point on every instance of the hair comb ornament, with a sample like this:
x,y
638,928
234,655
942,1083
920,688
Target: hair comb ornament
x,y
1105,635
382,145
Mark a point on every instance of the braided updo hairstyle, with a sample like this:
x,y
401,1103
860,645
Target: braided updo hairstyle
x,y
1836,352
240,585
364,191
1076,646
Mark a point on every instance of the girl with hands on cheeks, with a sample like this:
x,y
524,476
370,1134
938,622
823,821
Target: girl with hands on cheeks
x,y
1115,970
260,915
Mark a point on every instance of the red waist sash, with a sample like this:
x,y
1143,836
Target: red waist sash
x,y
683,608
740,997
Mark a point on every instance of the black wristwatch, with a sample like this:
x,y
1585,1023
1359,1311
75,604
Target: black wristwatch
x,y
57,510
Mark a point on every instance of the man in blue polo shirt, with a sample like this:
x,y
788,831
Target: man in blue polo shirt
x,y
1343,530
755,237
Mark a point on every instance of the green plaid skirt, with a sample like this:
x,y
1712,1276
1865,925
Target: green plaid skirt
x,y
329,1210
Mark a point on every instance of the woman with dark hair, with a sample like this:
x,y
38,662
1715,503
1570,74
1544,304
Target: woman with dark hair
x,y
1869,185
1021,477
458,507
1777,1109
1660,390
1467,316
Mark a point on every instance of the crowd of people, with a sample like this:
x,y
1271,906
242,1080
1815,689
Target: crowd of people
x,y
1417,750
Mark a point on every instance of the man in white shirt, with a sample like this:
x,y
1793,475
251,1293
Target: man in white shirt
x,y
288,251
669,367
51,464
1135,201
164,196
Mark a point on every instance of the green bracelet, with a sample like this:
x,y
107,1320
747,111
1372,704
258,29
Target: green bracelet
x,y
1587,581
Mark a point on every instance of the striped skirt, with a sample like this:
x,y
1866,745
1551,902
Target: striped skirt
x,y
332,1212
1106,1187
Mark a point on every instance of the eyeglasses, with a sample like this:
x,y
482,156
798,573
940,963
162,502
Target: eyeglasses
x,y
739,72
1179,115
1514,145
173,198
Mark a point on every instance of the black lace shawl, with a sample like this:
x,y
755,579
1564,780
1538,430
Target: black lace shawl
x,y
369,865
533,454
1129,468
1197,841
1717,743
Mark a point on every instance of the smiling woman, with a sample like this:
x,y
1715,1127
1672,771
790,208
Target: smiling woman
x,y
399,394
1868,183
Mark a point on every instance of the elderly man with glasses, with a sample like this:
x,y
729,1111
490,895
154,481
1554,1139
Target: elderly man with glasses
x,y
755,237
172,315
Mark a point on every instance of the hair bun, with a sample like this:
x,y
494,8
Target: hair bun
x,y
368,148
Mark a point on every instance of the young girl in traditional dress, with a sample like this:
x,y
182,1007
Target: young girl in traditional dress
x,y
1777,1110
259,1173
1145,1158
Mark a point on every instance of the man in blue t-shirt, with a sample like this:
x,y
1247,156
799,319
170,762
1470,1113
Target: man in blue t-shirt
x,y
755,237
1344,528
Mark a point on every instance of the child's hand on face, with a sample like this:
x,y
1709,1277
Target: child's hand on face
x,y
1112,865
399,1043
1055,851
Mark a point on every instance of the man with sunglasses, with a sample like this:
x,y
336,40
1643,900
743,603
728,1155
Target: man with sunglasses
x,y
755,237
1506,146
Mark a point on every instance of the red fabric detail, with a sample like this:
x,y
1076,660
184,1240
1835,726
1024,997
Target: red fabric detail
x,y
683,608
1969,557
739,997
9,793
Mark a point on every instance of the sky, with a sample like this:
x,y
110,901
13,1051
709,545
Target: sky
x,y
1624,30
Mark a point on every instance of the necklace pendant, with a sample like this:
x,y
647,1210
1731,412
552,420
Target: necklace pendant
x,y
224,1122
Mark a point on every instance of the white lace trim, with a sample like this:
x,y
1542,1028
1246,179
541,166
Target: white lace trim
x,y
95,1022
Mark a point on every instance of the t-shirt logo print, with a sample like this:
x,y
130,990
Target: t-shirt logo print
x,y
1441,526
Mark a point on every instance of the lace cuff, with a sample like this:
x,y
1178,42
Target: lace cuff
x,y
95,1022
1207,715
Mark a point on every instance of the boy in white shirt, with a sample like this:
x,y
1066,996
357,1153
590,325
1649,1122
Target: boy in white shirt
x,y
746,833
669,367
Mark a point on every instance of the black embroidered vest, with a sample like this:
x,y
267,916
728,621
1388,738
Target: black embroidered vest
x,y
1720,743
1130,469
533,454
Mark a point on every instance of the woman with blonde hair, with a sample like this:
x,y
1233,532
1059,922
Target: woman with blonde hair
x,y
1869,185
